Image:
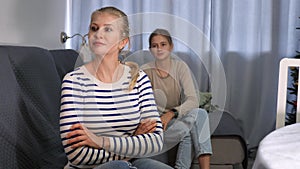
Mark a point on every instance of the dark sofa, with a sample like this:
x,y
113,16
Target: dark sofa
x,y
30,79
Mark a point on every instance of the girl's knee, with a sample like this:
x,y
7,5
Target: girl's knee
x,y
200,113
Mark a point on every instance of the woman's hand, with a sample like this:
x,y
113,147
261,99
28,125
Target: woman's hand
x,y
146,126
81,136
166,118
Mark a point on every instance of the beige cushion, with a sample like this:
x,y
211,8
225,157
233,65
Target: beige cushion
x,y
227,150
213,166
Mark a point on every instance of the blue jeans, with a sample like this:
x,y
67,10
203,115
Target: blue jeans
x,y
148,163
197,142
139,163
193,135
117,164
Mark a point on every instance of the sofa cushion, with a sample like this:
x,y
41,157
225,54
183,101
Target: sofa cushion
x,y
65,60
29,107
227,150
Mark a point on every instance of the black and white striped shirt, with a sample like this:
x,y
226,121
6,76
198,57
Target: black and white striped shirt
x,y
108,109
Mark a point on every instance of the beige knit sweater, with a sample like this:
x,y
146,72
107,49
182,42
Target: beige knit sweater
x,y
177,90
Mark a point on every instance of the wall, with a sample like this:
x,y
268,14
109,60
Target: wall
x,y
32,22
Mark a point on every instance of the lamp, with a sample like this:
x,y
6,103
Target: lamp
x,y
64,37
84,52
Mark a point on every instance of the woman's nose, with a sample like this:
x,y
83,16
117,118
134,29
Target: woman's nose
x,y
99,33
159,47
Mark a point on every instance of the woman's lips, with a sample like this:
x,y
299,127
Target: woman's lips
x,y
160,54
99,43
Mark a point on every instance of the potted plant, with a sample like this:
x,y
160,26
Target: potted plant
x,y
294,73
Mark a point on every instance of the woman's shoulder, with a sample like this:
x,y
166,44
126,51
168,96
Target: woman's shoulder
x,y
142,73
179,64
79,71
148,65
128,69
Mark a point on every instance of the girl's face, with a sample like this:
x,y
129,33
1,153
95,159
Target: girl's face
x,y
105,34
160,47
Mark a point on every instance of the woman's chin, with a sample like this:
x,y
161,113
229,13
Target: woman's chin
x,y
99,52
161,57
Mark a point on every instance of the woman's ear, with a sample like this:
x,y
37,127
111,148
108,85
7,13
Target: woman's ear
x,y
123,43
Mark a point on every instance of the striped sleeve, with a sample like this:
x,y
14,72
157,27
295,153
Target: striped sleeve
x,y
144,144
72,102
79,104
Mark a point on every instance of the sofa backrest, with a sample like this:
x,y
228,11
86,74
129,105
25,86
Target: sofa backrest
x,y
30,82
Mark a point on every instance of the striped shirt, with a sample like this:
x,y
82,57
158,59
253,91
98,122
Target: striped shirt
x,y
108,109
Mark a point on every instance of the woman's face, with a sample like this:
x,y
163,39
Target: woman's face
x,y
105,34
160,47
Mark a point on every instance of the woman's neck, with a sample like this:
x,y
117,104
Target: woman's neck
x,y
163,67
107,69
164,64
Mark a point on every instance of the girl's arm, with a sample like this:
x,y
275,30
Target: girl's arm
x,y
190,98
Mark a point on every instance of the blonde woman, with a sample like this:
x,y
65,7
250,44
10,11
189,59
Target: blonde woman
x,y
104,101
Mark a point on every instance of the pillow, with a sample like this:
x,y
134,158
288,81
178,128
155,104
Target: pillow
x,y
205,101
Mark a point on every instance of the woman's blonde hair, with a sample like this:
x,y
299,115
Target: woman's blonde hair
x,y
125,35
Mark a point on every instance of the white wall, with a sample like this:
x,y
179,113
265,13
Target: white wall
x,y
32,22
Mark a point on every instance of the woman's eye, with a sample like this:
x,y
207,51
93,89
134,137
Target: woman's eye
x,y
108,29
153,46
94,28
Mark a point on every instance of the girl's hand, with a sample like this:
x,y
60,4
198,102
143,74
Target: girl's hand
x,y
166,118
146,126
80,136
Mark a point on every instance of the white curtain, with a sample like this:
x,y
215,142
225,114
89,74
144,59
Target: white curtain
x,y
238,42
